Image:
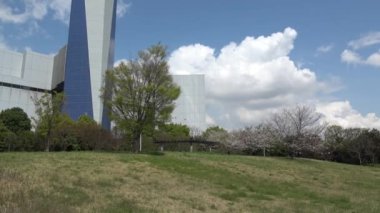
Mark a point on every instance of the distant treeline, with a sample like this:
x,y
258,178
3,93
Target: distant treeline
x,y
292,132
300,132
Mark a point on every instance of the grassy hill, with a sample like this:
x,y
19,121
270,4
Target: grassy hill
x,y
182,182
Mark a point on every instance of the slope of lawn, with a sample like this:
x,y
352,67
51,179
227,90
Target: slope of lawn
x,y
182,182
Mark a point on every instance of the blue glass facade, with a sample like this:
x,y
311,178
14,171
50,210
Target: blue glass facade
x,y
106,123
77,86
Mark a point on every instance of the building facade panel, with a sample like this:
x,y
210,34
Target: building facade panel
x,y
111,58
190,106
38,69
58,76
11,63
99,15
78,96
90,39
27,69
13,97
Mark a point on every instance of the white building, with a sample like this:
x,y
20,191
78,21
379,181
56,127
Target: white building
x,y
190,106
26,75
78,70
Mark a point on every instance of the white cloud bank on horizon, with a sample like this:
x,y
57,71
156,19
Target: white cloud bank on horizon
x,y
341,113
351,56
247,82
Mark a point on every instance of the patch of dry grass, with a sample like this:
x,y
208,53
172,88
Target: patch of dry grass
x,y
182,182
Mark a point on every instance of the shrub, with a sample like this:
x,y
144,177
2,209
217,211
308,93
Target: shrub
x,y
16,120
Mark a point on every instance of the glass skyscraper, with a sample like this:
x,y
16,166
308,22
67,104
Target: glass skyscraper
x,y
90,52
78,70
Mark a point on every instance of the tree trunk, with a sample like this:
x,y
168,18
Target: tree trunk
x,y
48,145
264,152
48,141
136,143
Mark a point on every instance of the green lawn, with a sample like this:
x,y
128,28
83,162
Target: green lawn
x,y
182,182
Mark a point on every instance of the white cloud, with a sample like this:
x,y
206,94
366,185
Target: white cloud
x,y
351,57
248,81
210,121
365,41
7,15
3,44
325,48
341,113
34,10
118,62
28,14
122,8
61,9
374,59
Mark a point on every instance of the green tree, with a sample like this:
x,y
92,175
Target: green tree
x,y
143,93
63,137
48,111
7,138
212,130
219,134
173,131
3,134
85,119
334,138
89,133
26,141
16,120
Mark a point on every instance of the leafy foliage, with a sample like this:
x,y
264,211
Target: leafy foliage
x,y
143,93
16,120
48,110
352,145
172,132
4,132
209,132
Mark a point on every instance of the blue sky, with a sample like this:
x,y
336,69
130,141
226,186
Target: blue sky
x,y
334,41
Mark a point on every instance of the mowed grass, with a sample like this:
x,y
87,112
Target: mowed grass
x,y
182,182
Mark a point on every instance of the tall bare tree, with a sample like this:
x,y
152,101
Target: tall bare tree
x,y
297,127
